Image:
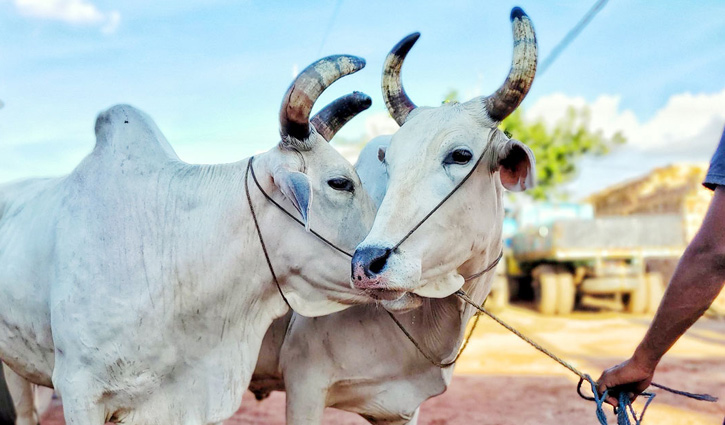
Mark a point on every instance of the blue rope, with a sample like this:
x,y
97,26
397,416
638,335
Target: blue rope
x,y
626,415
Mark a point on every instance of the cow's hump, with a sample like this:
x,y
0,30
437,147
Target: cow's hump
x,y
125,131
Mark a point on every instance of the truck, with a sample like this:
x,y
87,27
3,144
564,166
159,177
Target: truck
x,y
562,256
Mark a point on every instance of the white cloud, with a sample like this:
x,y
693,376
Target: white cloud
x,y
75,12
687,128
114,20
379,124
687,123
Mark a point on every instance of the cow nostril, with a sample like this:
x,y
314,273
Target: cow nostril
x,y
378,264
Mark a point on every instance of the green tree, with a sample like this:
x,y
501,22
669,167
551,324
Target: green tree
x,y
451,96
559,149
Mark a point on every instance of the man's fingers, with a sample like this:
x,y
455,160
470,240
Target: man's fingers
x,y
612,401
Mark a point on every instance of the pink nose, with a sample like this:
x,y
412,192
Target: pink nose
x,y
368,267
363,281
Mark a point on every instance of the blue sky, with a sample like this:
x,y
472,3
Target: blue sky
x,y
212,73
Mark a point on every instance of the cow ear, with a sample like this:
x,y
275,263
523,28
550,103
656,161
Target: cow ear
x,y
516,166
296,187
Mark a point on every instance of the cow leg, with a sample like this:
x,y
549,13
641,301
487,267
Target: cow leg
x,y
305,405
80,406
23,398
7,411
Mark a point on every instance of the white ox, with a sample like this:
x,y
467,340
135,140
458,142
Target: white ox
x,y
137,286
358,359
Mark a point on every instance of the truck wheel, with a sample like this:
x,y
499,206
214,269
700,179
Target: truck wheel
x,y
7,409
638,299
655,291
566,296
546,293
498,299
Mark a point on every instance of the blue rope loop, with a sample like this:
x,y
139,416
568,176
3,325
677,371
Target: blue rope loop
x,y
626,415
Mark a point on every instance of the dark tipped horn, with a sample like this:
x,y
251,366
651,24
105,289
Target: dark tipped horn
x,y
334,116
523,68
398,103
294,115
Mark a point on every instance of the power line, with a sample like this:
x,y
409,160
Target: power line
x,y
571,35
330,23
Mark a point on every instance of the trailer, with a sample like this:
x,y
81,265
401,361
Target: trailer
x,y
568,261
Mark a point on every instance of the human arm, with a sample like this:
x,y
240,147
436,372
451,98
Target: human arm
x,y
696,283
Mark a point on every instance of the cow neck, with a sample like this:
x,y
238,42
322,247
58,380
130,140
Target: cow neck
x,y
460,342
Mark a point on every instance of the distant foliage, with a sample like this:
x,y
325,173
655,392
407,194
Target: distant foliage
x,y
451,96
559,149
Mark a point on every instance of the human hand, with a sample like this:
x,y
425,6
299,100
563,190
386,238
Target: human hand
x,y
631,376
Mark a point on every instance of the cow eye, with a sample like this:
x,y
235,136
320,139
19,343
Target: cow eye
x,y
459,156
341,183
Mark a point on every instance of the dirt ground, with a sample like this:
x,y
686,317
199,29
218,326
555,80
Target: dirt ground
x,y
501,380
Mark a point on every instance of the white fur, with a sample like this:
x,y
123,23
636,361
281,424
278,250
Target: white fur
x,y
456,239
137,287
358,360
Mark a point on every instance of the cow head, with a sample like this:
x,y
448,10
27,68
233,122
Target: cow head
x,y
303,171
434,150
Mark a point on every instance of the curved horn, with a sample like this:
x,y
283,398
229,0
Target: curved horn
x,y
334,116
294,115
398,103
523,67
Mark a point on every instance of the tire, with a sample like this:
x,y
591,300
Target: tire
x,y
546,293
655,291
498,299
7,409
639,298
566,296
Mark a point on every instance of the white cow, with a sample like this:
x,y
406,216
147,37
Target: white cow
x,y
137,286
22,403
358,359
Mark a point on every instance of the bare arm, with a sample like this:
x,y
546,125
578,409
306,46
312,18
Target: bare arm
x,y
697,281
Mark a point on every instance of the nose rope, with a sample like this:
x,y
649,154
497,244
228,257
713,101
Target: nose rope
x,y
250,169
455,189
289,214
487,269
466,340
425,354
259,232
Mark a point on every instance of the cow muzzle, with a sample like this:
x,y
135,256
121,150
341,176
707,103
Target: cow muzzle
x,y
369,268
383,273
